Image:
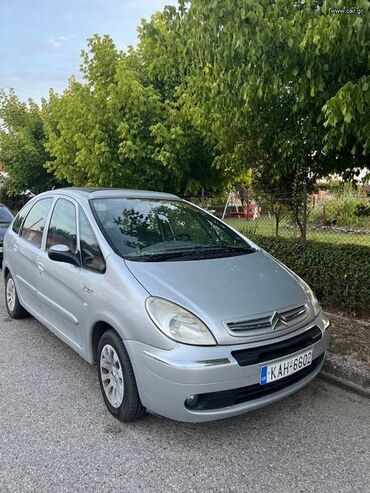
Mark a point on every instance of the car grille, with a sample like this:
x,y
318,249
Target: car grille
x,y
226,398
252,356
284,318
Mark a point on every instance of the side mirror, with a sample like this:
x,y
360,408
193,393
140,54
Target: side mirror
x,y
62,253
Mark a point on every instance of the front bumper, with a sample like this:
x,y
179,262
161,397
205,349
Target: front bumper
x,y
167,378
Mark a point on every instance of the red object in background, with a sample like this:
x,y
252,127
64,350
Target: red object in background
x,y
247,212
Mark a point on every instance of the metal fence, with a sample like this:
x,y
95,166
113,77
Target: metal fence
x,y
302,217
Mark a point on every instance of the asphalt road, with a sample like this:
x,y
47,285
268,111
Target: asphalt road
x,y
56,436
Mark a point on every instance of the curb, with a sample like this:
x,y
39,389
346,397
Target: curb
x,y
347,373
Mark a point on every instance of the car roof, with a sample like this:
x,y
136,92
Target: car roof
x,y
97,193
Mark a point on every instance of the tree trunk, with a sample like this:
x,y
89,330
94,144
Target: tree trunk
x,y
277,221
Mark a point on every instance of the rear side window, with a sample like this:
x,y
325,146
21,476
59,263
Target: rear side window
x,y
91,255
19,218
33,226
62,227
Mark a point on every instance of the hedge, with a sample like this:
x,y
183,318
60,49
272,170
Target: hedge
x,y
339,274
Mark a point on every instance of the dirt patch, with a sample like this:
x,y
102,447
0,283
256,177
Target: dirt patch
x,y
350,337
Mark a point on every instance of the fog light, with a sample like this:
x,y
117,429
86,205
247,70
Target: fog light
x,y
191,401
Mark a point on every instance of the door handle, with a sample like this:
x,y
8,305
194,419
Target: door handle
x,y
15,248
40,266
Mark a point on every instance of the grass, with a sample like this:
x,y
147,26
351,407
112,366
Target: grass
x,y
266,227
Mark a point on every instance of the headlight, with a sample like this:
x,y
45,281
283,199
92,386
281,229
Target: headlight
x,y
178,324
313,300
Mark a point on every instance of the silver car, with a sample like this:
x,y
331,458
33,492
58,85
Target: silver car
x,y
184,316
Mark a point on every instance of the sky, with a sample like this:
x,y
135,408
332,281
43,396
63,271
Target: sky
x,y
41,40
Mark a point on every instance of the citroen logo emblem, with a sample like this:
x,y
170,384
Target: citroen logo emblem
x,y
277,319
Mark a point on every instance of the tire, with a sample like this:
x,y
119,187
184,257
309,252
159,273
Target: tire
x,y
13,306
114,368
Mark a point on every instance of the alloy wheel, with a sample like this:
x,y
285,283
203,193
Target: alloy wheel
x,y
10,294
112,375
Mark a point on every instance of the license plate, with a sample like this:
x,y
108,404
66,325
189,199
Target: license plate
x,y
285,367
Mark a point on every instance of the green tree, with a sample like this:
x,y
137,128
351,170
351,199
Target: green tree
x,y
99,131
22,151
215,89
334,51
159,54
261,80
118,129
270,78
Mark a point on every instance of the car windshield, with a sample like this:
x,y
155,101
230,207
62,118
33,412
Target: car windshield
x,y
5,215
155,230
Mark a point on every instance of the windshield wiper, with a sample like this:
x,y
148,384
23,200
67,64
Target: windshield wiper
x,y
234,248
200,252
162,257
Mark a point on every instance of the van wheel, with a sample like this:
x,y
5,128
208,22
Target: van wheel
x,y
15,309
117,379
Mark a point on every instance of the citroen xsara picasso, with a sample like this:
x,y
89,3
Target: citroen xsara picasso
x,y
184,316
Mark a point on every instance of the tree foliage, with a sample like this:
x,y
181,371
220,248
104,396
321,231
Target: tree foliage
x,y
117,130
22,140
213,90
281,84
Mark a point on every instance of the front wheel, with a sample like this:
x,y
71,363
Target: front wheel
x,y
117,379
13,306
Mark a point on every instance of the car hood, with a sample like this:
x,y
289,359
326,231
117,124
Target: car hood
x,y
223,289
